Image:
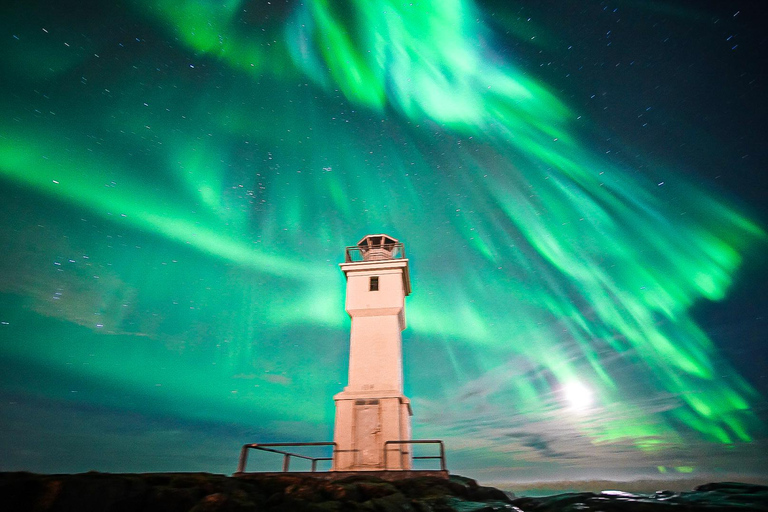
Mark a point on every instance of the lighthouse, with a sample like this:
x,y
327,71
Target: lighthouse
x,y
372,413
372,430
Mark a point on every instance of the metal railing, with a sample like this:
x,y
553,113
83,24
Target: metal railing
x,y
419,441
268,447
356,253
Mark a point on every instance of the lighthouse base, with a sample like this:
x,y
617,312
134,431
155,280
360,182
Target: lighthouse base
x,y
369,428
389,476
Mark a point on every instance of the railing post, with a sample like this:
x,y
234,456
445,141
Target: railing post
x,y
243,459
286,462
442,457
314,465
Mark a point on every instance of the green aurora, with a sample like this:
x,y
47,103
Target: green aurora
x,y
180,177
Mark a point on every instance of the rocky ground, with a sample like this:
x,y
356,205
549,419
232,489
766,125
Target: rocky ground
x,y
202,492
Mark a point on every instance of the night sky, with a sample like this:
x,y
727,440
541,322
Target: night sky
x,y
580,187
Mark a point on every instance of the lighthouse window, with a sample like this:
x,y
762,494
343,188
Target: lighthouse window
x,y
374,284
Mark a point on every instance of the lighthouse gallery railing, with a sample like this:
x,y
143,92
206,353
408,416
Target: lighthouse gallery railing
x,y
355,253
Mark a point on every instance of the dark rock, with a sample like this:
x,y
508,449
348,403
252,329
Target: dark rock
x,y
201,492
664,495
373,490
732,488
721,497
392,503
424,487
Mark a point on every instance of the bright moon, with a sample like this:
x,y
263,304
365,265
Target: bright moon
x,y
577,395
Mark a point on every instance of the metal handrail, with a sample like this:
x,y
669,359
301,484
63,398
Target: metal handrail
x,y
419,441
266,447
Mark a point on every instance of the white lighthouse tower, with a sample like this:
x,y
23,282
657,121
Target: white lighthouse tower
x,y
372,409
